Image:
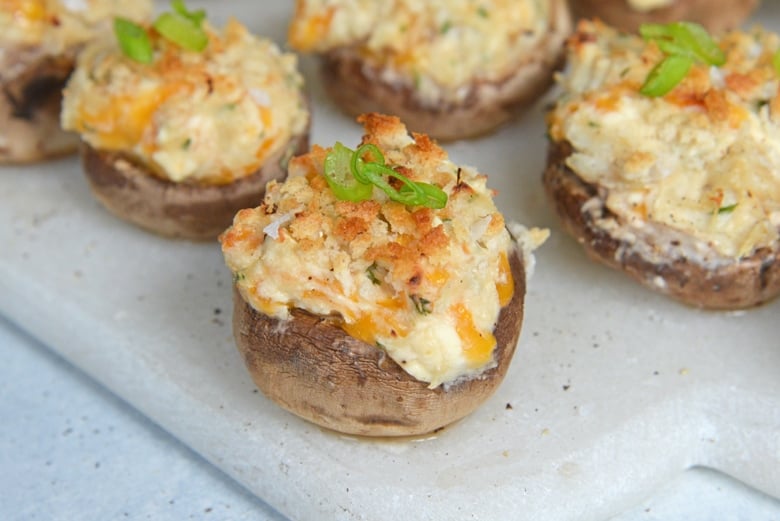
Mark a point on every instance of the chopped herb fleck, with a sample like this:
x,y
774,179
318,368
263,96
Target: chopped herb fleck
x,y
445,27
727,209
371,274
186,144
416,80
422,305
483,12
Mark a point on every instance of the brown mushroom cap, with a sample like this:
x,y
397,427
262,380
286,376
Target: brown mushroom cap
x,y
716,15
182,210
744,283
357,88
30,105
311,367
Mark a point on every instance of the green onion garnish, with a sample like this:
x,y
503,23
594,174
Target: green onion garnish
x,y
727,209
133,40
340,178
697,37
686,38
182,31
683,43
195,17
352,177
776,61
182,27
666,75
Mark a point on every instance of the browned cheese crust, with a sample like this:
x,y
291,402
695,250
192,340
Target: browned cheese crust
x,y
30,110
179,210
311,367
744,283
357,88
716,15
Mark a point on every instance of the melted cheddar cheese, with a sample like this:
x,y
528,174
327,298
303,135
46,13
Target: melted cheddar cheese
x,y
424,285
210,117
699,168
437,47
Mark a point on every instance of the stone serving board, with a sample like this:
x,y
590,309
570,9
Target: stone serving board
x,y
613,391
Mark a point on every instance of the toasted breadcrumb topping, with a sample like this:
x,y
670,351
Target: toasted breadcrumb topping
x,y
206,117
703,160
425,285
437,48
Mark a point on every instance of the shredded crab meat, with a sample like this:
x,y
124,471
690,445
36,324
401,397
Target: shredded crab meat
x,y
272,229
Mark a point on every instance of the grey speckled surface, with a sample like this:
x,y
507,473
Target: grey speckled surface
x,y
72,450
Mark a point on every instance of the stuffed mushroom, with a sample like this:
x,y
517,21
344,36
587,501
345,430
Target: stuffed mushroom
x,y
182,129
377,290
449,68
664,159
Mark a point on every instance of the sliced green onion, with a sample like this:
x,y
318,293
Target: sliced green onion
x,y
654,31
357,161
133,40
434,196
182,27
666,75
685,38
340,178
697,38
410,194
776,61
671,47
727,209
683,43
195,17
352,176
181,31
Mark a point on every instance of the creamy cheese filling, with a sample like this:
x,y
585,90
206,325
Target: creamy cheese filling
x,y
209,117
54,27
437,47
424,285
703,160
648,5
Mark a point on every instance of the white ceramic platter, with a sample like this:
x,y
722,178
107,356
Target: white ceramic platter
x,y
614,390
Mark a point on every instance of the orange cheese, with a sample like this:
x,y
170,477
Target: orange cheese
x,y
477,345
123,122
505,284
